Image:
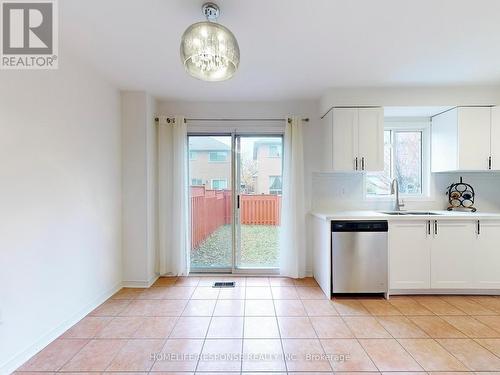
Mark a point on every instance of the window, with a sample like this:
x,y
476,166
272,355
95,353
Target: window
x,y
403,160
217,156
196,182
274,151
192,155
275,185
219,184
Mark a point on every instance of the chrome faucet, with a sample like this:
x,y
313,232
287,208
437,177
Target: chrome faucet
x,y
395,190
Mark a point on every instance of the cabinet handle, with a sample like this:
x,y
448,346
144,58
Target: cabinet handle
x,y
356,163
478,227
429,227
363,163
435,227
489,163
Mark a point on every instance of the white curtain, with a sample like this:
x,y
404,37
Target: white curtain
x,y
293,231
173,217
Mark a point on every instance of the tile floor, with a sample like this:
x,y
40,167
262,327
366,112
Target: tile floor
x,y
275,325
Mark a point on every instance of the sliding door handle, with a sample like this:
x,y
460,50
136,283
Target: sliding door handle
x,y
238,201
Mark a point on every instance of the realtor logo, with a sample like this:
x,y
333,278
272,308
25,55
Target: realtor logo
x,y
29,34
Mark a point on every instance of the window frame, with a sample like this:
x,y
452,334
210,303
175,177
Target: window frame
x,y
217,152
193,155
409,125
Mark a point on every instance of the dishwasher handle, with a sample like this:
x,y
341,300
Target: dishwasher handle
x,y
360,226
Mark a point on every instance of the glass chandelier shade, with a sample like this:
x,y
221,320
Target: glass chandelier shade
x,y
209,51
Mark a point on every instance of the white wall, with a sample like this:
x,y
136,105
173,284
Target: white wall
x,y
139,145
60,199
312,135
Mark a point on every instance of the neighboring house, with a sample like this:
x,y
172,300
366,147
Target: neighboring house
x,y
268,155
209,163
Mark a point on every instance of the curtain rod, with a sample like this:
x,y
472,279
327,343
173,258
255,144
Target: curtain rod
x,y
172,120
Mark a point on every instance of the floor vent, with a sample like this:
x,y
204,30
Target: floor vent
x,y
224,284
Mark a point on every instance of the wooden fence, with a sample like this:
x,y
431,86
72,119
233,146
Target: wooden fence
x,y
210,209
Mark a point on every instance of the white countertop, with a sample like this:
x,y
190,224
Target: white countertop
x,y
379,215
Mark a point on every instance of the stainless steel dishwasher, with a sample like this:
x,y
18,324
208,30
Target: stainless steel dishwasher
x,y
359,256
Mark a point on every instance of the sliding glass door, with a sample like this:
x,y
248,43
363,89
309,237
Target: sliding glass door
x,y
235,202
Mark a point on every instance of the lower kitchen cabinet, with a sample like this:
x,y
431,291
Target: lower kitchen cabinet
x,y
486,256
409,255
453,249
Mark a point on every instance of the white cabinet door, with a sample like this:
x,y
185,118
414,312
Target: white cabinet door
x,y
474,132
444,141
371,139
452,253
327,134
495,138
486,256
409,255
345,139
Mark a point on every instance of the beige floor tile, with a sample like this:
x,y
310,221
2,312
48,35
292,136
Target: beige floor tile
x,y
155,308
438,306
436,327
296,328
258,292
208,281
180,292
471,354
431,356
260,327
309,292
401,327
87,328
95,356
389,355
121,327
490,302
319,308
155,327
257,281
330,327
221,355
205,292
380,307
366,327
229,307
200,307
226,328
284,292
349,307
347,355
281,281
178,355
263,355
54,355
408,306
491,321
467,305
136,355
190,327
187,281
306,281
493,345
153,293
111,307
165,281
232,293
289,307
127,293
471,327
260,307
305,355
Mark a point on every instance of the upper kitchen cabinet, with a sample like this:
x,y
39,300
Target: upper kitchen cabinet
x,y
463,139
495,138
354,139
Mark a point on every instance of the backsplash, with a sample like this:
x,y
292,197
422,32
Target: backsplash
x,y
345,191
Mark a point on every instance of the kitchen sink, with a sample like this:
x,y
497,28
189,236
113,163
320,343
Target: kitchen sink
x,y
409,213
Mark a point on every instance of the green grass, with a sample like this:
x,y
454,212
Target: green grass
x,y
259,248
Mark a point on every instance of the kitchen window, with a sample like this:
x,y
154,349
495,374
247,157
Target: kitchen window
x,y
405,160
217,156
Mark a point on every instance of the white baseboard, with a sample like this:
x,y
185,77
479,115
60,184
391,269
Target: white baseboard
x,y
140,283
18,359
487,292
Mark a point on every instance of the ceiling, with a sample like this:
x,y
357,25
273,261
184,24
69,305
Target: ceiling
x,y
290,49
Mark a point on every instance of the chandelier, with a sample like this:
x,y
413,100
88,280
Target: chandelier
x,y
209,51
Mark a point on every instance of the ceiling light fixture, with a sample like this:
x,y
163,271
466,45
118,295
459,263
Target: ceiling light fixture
x,y
209,51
